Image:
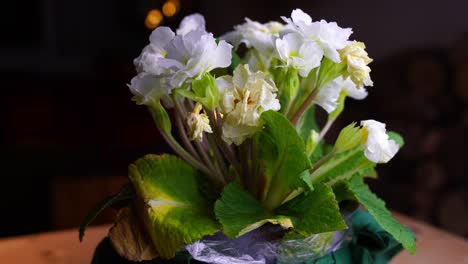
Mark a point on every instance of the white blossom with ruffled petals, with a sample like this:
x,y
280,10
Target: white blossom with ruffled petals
x,y
193,54
378,147
148,61
148,88
328,95
329,36
357,60
302,56
260,37
244,97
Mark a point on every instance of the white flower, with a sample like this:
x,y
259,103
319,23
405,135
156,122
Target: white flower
x,y
148,61
148,88
191,23
255,35
378,147
198,123
357,60
329,36
300,55
328,95
194,54
260,37
244,97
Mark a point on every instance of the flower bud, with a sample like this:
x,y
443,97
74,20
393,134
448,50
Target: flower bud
x,y
349,137
379,148
197,124
356,59
160,117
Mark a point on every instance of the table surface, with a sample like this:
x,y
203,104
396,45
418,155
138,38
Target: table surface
x,y
433,246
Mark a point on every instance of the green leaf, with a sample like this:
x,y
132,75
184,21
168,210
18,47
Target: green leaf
x,y
235,61
125,193
396,137
340,106
173,210
206,91
377,209
283,157
343,166
239,212
316,212
307,123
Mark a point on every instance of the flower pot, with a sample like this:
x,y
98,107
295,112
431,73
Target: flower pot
x,y
364,242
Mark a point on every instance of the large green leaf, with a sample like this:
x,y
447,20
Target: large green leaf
x,y
174,211
124,194
343,166
307,123
239,212
313,213
282,153
377,209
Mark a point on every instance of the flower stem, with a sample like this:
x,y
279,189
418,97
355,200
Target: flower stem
x,y
322,161
184,138
325,129
304,106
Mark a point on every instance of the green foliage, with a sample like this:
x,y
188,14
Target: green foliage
x,y
329,71
396,137
172,208
377,209
282,154
124,194
239,212
340,107
287,81
307,123
160,117
343,166
349,137
313,213
235,61
204,91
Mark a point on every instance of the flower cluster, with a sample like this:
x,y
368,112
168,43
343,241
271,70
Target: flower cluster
x,y
243,127
170,59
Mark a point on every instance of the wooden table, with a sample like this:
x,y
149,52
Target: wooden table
x,y
433,245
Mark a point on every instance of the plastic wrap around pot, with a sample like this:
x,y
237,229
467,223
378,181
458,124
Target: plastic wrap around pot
x,y
265,245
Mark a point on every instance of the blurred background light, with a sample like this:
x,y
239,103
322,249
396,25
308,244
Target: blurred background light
x,y
153,19
170,8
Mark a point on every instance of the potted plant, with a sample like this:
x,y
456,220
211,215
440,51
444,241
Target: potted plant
x,y
252,179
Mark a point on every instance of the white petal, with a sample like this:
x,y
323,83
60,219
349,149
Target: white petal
x,y
222,55
299,16
148,88
191,23
161,36
241,75
378,147
328,95
354,92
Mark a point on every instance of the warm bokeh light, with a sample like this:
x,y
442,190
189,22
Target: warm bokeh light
x,y
153,19
169,8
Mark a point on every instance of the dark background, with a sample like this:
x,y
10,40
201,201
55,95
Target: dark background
x,y
69,128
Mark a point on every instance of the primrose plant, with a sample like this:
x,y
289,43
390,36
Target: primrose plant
x,y
248,150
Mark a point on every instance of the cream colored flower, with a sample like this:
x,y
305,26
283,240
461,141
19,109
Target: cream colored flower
x,y
244,97
198,123
378,147
357,59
